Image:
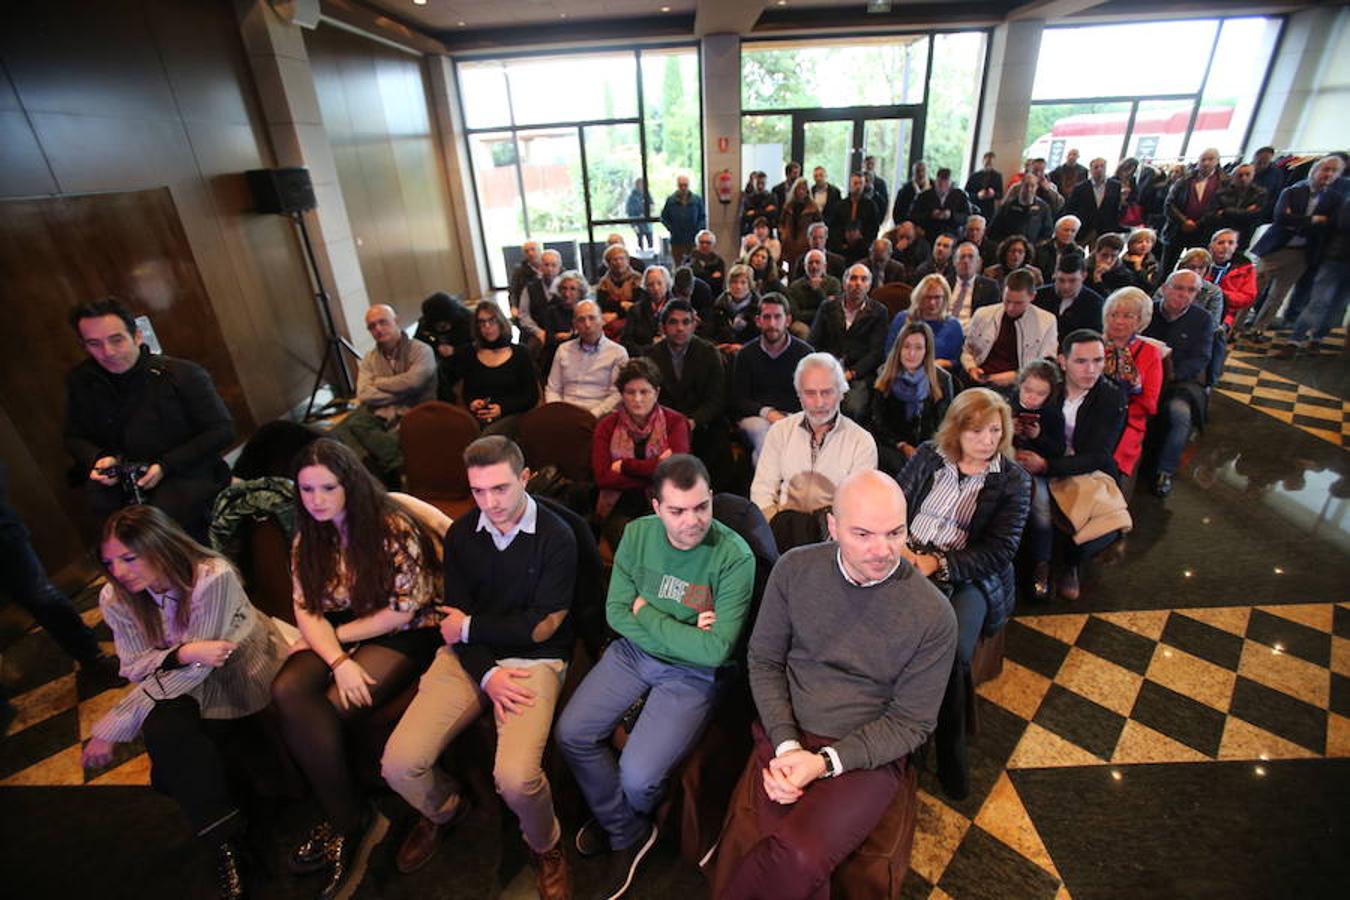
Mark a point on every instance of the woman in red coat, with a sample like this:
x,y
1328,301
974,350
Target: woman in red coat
x,y
1136,365
628,445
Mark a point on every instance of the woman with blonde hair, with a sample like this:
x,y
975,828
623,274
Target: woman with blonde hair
x,y
1135,364
910,397
201,660
967,503
930,302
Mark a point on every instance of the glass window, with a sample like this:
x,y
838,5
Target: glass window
x,y
1234,86
766,145
883,71
483,87
829,144
670,80
573,88
1159,130
1070,62
953,102
613,165
1094,129
499,201
889,141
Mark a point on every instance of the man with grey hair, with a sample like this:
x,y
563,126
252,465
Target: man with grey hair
x,y
1064,240
392,378
806,454
808,292
1303,219
977,233
853,328
537,295
705,263
817,237
683,214
584,368
1190,207
884,269
1189,331
526,271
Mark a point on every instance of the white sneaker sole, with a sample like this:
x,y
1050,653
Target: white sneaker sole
x,y
632,867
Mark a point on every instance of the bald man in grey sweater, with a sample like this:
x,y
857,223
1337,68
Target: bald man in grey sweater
x,y
848,662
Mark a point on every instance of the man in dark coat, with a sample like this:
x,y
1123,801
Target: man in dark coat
x,y
127,407
693,383
1096,202
855,222
1073,305
942,209
1190,207
1023,213
985,187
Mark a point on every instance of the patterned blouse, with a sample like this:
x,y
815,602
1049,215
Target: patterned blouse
x,y
417,585
943,521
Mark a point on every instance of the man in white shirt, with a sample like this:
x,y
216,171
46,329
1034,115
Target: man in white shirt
x,y
807,454
584,369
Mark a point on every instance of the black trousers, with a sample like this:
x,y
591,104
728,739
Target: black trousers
x,y
24,581
188,762
186,499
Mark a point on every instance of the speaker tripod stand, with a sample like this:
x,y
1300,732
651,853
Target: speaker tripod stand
x,y
335,344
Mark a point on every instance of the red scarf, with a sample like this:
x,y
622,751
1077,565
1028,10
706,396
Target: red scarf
x,y
622,445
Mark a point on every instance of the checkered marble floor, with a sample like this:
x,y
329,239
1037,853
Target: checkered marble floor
x,y
1116,690
1316,412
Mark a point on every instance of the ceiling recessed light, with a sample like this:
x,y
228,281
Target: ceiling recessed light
x,y
460,24
419,2
665,9
782,2
562,15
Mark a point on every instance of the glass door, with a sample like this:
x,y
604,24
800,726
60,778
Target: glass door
x,y
839,139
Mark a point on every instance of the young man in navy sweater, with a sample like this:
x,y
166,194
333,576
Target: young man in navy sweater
x,y
509,577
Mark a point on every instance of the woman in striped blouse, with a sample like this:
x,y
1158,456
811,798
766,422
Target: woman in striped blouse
x,y
201,659
365,587
967,505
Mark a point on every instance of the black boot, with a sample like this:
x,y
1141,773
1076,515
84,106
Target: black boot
x,y
952,766
348,853
231,870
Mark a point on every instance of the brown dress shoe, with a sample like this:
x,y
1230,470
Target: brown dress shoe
x,y
419,846
1068,584
553,875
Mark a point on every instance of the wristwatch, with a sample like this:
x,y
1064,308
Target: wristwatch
x,y
829,764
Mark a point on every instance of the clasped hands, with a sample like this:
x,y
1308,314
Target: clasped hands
x,y
789,773
705,620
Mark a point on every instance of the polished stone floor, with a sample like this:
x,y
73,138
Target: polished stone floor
x,y
1183,730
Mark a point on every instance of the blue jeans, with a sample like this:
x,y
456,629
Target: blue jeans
x,y
1178,412
1040,529
25,581
1326,308
971,608
623,792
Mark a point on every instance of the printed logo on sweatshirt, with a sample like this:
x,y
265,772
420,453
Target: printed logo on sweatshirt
x,y
697,597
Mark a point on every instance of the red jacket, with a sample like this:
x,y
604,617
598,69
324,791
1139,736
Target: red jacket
x,y
1239,287
634,474
1143,405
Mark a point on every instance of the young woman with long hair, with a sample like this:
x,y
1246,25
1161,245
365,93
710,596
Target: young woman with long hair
x,y
910,397
365,591
200,658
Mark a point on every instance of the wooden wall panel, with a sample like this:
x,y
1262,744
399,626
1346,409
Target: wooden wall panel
x,y
376,112
130,95
56,251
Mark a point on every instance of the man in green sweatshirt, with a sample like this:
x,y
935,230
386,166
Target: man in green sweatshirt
x,y
678,598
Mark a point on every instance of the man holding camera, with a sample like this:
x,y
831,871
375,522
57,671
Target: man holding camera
x,y
145,428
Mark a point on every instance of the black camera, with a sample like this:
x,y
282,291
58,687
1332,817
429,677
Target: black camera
x,y
127,474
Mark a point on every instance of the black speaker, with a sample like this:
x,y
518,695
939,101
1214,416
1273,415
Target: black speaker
x,y
281,190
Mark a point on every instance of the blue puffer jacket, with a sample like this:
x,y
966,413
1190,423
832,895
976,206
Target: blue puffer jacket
x,y
995,528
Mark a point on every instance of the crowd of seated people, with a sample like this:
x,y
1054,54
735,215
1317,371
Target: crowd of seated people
x,y
987,435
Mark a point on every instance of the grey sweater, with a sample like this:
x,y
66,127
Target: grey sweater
x,y
866,666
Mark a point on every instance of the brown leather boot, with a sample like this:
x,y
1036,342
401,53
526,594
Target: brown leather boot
x,y
419,846
553,875
424,839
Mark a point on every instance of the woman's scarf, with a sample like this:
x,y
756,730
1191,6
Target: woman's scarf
x,y
1120,366
911,389
622,445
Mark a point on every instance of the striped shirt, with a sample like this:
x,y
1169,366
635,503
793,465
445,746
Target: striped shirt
x,y
944,518
220,611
